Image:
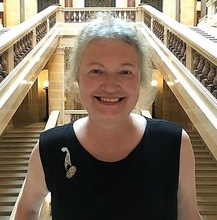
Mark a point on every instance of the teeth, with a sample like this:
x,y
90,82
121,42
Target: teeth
x,y
109,99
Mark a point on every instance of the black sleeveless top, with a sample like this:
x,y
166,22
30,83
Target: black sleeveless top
x,y
143,186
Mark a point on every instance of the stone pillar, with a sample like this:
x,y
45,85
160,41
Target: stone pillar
x,y
170,8
203,8
184,11
188,12
121,3
56,82
22,11
68,3
78,4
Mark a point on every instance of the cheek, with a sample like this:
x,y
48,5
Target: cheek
x,y
133,87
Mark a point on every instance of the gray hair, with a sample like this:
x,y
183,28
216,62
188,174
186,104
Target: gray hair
x,y
107,26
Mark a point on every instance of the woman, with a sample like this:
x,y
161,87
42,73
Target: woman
x,y
112,164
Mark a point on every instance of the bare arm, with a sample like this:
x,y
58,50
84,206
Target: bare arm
x,y
187,190
34,190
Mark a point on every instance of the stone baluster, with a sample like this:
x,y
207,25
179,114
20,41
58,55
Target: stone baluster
x,y
17,55
170,39
198,67
179,48
131,16
214,93
196,61
3,68
162,32
1,73
76,18
29,41
25,44
20,49
182,55
204,73
211,76
67,16
173,43
147,20
52,20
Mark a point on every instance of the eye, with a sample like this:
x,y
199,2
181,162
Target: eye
x,y
96,71
126,72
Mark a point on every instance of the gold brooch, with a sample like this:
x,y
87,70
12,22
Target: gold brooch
x,y
70,170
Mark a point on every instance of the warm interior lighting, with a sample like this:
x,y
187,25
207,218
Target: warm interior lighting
x,y
154,83
46,84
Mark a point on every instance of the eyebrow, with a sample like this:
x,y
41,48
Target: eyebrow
x,y
99,64
92,64
128,64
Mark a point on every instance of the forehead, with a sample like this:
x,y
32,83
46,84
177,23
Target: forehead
x,y
110,48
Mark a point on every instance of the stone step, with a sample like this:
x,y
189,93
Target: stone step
x,y
9,169
18,140
18,161
197,141
207,191
203,157
20,136
13,145
13,176
206,169
207,199
7,183
5,210
205,183
5,201
15,156
14,150
9,192
206,166
206,175
23,131
208,209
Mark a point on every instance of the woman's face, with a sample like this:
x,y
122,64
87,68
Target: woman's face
x,y
109,79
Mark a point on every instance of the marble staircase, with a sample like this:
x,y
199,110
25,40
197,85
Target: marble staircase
x,y
15,148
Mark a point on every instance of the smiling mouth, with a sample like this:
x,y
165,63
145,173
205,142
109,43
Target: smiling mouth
x,y
105,99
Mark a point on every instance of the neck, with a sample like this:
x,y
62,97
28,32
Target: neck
x,y
110,142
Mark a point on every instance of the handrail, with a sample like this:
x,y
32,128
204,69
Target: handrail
x,y
15,87
194,40
16,33
52,122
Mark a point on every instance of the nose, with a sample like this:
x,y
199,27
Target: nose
x,y
110,83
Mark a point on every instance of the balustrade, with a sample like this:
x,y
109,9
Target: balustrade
x,y
17,46
3,67
158,30
73,15
206,73
203,69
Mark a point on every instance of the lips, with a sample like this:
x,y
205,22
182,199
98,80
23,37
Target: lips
x,y
109,100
